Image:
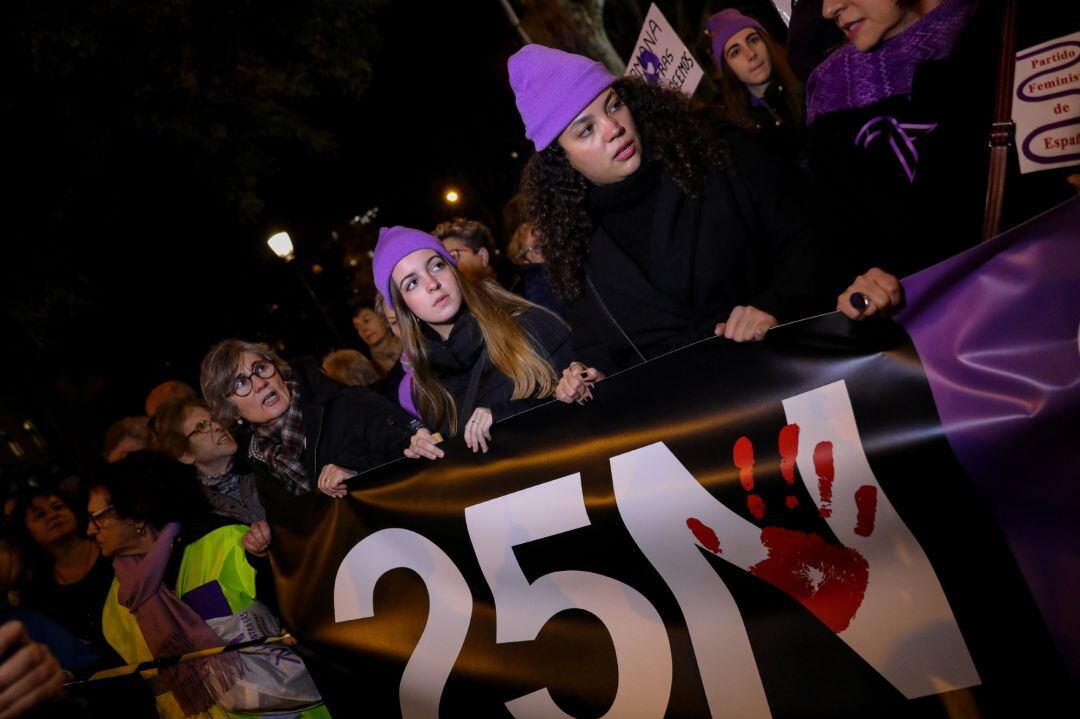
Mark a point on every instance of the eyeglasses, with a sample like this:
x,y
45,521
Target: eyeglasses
x,y
95,517
242,384
204,426
456,254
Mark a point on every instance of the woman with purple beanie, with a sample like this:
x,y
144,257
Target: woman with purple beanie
x,y
654,233
477,353
761,94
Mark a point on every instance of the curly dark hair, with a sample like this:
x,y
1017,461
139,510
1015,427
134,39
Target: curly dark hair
x,y
150,487
673,131
37,562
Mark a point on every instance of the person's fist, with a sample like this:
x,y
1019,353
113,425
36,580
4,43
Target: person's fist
x,y
29,674
576,383
745,324
332,480
424,444
875,292
257,539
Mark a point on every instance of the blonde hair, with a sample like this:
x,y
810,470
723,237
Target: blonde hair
x,y
496,311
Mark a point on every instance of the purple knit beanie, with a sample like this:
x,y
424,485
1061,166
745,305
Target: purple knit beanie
x,y
395,243
551,87
721,26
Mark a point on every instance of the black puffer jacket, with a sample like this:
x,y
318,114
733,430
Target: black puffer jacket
x,y
882,203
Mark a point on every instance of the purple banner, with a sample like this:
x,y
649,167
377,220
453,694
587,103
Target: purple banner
x,y
998,331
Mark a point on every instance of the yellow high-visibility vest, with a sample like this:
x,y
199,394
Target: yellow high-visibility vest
x,y
217,556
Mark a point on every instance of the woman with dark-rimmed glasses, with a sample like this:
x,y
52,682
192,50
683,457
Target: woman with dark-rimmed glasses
x,y
185,431
307,432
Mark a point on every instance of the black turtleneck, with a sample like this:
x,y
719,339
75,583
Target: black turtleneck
x,y
625,210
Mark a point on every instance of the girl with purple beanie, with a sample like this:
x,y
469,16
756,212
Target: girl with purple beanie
x,y
760,92
477,353
654,233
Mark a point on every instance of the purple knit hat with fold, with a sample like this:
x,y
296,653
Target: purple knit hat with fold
x,y
551,87
721,26
395,243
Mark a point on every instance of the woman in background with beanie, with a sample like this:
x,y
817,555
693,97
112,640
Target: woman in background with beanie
x,y
654,234
761,93
477,353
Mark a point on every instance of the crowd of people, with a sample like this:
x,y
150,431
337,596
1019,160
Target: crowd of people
x,y
651,222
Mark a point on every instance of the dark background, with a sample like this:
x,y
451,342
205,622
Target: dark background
x,y
152,147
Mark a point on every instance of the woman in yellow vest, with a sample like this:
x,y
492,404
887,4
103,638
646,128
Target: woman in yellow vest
x,y
183,583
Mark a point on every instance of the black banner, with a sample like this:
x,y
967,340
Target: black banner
x,y
772,529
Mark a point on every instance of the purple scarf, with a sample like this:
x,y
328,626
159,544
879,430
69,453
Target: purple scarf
x,y
850,79
170,627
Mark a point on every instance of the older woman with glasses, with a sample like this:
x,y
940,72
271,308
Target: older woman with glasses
x,y
307,431
185,431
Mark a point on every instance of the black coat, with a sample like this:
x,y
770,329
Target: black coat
x,y
869,213
352,427
454,359
532,284
748,241
776,128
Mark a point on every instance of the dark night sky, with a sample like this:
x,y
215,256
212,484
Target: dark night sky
x,y
128,254
135,282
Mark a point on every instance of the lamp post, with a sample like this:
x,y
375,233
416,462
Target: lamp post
x,y
281,245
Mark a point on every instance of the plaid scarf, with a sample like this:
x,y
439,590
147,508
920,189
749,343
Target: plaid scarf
x,y
280,445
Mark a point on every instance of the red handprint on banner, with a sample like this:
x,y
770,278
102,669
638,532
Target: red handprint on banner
x,y
827,578
827,535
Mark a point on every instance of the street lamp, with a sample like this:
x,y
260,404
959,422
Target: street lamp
x,y
281,245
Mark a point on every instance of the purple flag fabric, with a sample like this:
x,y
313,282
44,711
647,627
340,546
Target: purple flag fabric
x,y
998,331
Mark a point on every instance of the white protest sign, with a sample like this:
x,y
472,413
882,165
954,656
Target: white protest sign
x,y
784,8
1046,104
660,57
